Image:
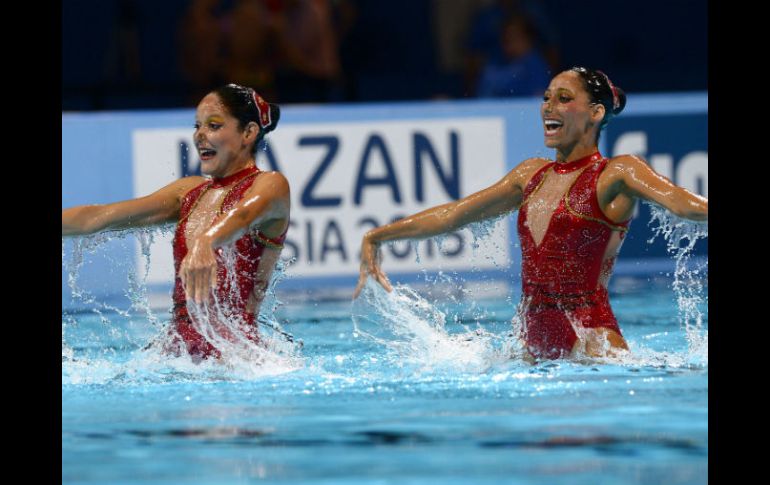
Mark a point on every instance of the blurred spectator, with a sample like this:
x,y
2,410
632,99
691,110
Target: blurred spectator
x,y
346,22
451,22
250,47
522,70
201,47
484,45
122,60
309,70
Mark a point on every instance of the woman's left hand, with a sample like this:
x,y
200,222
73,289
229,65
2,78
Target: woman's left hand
x,y
198,271
371,257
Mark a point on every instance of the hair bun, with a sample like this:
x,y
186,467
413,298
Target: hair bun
x,y
275,115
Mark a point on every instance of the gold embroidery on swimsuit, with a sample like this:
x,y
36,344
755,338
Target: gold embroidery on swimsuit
x,y
195,203
221,204
259,238
542,181
614,227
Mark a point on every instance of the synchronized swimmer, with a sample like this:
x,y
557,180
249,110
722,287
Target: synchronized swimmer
x,y
237,205
574,213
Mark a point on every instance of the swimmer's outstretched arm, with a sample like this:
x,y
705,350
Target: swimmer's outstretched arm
x,y
503,197
636,179
157,208
264,205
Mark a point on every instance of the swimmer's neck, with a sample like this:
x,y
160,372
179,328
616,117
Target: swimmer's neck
x,y
234,168
575,152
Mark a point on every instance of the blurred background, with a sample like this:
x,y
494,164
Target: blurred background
x,y
138,54
388,107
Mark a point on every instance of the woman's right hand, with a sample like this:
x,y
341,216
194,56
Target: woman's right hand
x,y
370,265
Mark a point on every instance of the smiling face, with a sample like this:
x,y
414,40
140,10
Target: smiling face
x,y
223,147
568,116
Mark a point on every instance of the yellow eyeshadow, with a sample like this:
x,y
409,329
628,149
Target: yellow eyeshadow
x,y
215,119
560,92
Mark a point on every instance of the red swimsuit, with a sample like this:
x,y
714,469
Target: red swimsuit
x,y
231,300
560,278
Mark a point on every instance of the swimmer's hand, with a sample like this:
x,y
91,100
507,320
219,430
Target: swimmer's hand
x,y
198,270
371,257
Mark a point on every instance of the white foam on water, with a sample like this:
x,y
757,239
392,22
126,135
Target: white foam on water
x,y
681,236
275,352
413,329
414,332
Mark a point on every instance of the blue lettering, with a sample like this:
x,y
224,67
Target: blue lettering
x,y
333,230
406,246
309,234
375,141
368,221
460,244
429,248
332,144
431,243
184,159
450,181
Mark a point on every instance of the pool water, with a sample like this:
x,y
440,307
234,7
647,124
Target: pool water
x,y
390,389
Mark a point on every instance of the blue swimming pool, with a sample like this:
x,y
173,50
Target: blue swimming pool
x,y
385,394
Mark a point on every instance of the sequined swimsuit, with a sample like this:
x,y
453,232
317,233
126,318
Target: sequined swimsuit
x,y
232,293
560,277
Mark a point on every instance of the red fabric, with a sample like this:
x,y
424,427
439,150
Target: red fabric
x,y
560,278
232,298
263,108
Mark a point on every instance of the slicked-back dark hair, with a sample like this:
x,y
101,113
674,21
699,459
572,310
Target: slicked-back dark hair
x,y
239,101
601,91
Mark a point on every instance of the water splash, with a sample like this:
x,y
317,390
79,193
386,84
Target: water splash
x,y
82,246
482,230
478,236
414,331
137,287
681,236
115,351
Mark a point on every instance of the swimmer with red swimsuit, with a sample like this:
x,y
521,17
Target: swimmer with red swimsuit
x,y
574,212
560,275
237,207
232,295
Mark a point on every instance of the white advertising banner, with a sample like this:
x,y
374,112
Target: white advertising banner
x,y
348,177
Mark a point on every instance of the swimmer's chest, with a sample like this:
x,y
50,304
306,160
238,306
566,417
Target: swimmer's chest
x,y
203,213
544,200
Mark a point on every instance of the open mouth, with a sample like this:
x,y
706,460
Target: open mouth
x,y
206,153
552,127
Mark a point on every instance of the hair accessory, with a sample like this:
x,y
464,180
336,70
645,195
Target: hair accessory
x,y
262,108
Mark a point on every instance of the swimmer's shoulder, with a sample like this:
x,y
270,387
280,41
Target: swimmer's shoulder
x,y
189,183
273,176
275,182
620,165
527,169
534,164
181,187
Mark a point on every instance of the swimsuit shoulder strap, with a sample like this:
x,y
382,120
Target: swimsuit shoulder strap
x,y
536,181
237,190
191,198
583,201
